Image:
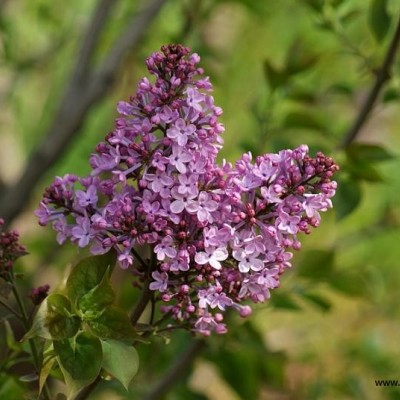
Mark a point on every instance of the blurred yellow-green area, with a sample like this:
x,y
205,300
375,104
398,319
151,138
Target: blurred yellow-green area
x,y
285,73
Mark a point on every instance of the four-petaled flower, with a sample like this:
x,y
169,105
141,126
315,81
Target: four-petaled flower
x,y
180,131
213,257
165,249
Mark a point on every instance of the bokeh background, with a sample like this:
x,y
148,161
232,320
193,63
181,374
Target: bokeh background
x,y
285,73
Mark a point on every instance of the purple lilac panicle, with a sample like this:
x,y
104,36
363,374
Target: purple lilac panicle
x,y
221,233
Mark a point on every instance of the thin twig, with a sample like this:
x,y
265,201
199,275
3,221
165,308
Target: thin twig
x,y
382,77
141,304
79,96
9,308
146,293
178,368
139,258
86,391
32,343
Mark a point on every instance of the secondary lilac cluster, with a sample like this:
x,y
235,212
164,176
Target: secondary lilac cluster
x,y
10,250
38,294
220,233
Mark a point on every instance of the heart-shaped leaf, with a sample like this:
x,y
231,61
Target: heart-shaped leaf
x,y
93,303
80,360
113,323
89,273
54,319
120,360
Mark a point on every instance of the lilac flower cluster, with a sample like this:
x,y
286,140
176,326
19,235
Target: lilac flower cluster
x,y
220,234
10,250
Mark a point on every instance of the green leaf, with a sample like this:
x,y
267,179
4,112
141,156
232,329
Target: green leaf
x,y
240,353
302,95
113,323
347,198
379,19
391,94
284,301
320,301
303,120
349,283
10,387
93,303
54,320
360,152
12,344
89,273
120,360
47,366
316,5
363,169
275,77
80,360
299,58
316,264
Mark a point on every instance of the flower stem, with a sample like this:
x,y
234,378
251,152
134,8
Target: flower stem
x,y
146,293
9,308
25,321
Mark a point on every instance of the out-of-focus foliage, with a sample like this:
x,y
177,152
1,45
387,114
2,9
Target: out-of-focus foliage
x,y
285,72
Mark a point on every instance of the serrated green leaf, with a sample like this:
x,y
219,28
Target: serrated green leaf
x,y
80,360
89,273
113,323
379,19
316,264
120,360
93,303
348,197
360,152
54,320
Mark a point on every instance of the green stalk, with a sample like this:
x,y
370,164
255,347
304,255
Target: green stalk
x,y
25,321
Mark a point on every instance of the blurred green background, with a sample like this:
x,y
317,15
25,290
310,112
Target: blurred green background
x,y
285,73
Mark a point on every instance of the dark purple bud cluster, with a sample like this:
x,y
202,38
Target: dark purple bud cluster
x,y
37,295
10,250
